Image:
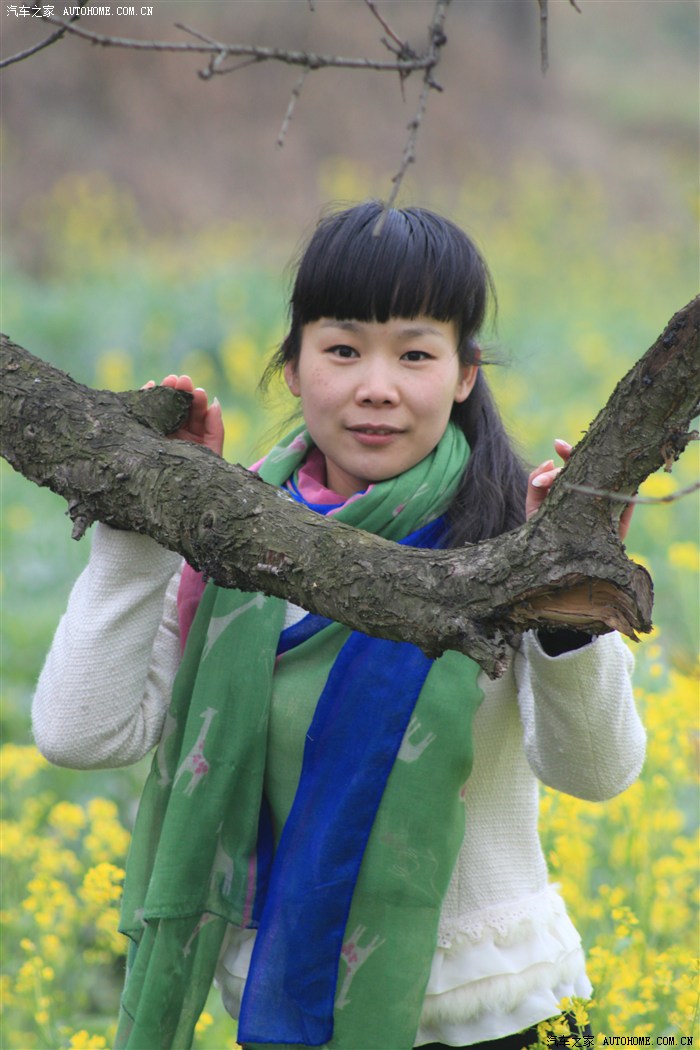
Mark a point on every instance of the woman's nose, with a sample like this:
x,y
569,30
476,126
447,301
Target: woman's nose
x,y
376,386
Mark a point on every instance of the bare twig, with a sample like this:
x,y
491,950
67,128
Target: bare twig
x,y
200,36
216,59
296,92
400,44
21,55
544,56
215,66
306,59
393,43
409,152
437,42
405,62
544,47
616,497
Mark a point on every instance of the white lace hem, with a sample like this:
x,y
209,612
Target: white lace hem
x,y
508,921
501,970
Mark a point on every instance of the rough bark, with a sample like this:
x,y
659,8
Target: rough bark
x,y
107,455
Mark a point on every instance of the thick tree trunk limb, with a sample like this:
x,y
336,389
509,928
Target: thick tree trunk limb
x,y
106,454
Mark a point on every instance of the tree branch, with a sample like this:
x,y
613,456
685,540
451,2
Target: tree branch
x,y
58,35
544,31
219,50
544,46
405,61
296,94
392,40
617,498
106,455
437,42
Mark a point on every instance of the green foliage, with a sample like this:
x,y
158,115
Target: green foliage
x,y
580,300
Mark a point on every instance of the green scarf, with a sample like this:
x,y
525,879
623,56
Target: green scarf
x,y
197,860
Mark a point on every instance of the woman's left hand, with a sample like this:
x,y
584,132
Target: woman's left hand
x,y
542,478
204,424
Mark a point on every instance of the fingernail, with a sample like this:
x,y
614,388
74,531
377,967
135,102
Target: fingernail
x,y
561,441
215,403
538,482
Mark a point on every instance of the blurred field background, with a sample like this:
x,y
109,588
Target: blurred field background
x,y
148,221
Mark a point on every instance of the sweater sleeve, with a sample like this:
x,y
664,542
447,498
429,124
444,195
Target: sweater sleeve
x,y
105,686
582,732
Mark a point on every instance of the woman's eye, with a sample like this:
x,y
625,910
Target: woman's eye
x,y
341,350
417,355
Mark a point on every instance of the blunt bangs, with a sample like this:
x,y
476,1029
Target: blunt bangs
x,y
419,264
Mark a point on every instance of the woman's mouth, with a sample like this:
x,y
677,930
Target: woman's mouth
x,y
374,434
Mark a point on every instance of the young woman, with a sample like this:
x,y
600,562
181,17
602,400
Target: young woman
x,y
339,831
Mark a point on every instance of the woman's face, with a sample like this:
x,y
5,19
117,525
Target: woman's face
x,y
377,397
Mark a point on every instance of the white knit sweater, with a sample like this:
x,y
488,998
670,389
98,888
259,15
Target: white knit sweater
x,y
507,951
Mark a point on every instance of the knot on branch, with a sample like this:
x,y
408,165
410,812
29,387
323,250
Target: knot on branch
x,y
81,517
160,408
674,446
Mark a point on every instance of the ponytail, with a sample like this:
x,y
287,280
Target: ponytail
x,y
490,499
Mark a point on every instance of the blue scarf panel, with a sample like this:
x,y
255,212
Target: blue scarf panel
x,y
358,726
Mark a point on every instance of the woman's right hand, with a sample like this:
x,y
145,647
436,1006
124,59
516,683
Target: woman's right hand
x,y
204,424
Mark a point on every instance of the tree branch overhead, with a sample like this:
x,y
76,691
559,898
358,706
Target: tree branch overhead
x,y
106,455
405,61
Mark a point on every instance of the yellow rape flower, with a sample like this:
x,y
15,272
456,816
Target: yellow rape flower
x,y
101,809
237,430
109,937
54,861
102,884
19,763
6,997
560,1027
684,556
198,364
658,485
242,363
82,1040
68,819
106,840
18,517
205,1021
577,1007
115,371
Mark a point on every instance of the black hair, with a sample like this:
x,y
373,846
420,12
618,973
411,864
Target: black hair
x,y
419,264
